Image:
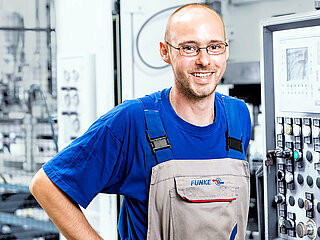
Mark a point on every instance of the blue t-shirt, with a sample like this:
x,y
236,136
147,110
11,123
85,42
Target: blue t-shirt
x,y
110,156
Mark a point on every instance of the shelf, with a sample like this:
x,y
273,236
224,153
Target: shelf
x,y
15,187
8,218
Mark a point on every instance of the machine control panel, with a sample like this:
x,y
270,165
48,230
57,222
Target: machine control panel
x,y
297,132
298,176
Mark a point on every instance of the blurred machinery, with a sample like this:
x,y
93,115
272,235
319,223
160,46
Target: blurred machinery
x,y
27,116
291,94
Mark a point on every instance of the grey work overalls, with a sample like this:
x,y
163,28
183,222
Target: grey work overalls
x,y
197,199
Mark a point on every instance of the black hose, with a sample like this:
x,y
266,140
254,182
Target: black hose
x,y
138,36
32,89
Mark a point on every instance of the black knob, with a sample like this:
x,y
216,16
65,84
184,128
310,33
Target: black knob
x,y
318,207
291,201
318,231
309,181
287,153
288,224
300,179
301,203
318,182
280,175
279,198
309,156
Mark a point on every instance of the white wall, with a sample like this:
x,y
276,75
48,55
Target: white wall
x,y
242,24
84,27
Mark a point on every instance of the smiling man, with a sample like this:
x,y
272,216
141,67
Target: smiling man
x,y
178,156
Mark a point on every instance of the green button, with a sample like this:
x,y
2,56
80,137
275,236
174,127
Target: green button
x,y
295,155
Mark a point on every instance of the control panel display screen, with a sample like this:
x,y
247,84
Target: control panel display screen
x,y
297,64
296,69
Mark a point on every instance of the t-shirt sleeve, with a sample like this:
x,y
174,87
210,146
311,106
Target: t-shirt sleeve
x,y
92,162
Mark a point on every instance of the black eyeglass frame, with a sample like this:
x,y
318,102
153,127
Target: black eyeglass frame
x,y
198,49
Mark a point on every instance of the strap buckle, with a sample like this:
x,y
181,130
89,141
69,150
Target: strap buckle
x,y
158,143
233,143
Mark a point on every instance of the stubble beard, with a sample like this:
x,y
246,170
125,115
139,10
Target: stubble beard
x,y
185,87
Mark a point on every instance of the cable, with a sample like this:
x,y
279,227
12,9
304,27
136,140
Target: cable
x,y
32,89
138,36
142,27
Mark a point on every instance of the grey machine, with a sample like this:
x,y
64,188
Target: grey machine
x,y
290,73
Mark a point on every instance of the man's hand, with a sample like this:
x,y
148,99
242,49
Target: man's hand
x,y
62,210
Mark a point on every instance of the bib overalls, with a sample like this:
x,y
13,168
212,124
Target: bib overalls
x,y
197,199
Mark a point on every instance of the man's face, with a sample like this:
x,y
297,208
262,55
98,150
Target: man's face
x,y
197,76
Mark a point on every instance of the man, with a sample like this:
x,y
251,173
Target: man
x,y
177,156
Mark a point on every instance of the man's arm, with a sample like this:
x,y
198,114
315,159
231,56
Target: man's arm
x,y
65,214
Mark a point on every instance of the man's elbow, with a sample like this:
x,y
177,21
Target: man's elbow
x,y
37,183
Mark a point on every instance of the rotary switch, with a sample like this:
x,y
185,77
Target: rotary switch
x,y
308,229
279,198
286,223
287,153
280,175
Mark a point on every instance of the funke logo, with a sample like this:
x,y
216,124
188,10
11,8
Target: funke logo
x,y
206,182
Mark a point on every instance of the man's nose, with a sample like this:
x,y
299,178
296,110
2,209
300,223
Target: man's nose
x,y
203,58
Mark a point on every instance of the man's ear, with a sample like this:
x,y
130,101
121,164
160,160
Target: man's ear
x,y
164,52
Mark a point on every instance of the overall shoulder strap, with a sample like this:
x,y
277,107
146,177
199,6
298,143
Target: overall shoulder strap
x,y
155,133
234,143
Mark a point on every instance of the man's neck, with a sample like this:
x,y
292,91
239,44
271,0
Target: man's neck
x,y
199,112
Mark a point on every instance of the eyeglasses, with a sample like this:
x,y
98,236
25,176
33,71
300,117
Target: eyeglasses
x,y
193,50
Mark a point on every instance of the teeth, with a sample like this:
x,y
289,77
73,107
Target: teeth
x,y
201,75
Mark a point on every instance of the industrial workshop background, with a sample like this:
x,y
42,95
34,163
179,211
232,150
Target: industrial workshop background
x,y
63,63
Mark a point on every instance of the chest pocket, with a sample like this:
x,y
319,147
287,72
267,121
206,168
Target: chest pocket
x,y
204,207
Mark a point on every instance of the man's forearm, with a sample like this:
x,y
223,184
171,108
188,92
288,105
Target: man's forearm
x,y
66,215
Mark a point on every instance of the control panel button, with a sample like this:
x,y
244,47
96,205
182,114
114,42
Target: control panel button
x,y
300,203
300,179
318,182
289,177
291,201
306,130
279,129
318,207
296,130
308,229
309,156
302,230
297,155
288,129
308,205
309,181
316,132
317,167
